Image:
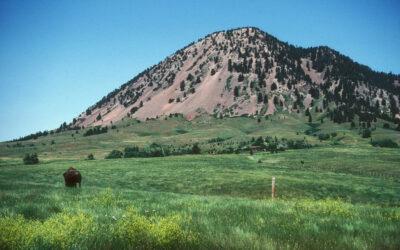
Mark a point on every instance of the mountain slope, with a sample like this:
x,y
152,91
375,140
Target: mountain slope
x,y
248,72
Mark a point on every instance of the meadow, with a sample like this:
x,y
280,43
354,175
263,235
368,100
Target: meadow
x,y
341,193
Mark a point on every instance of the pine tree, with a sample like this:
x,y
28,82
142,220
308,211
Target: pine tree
x,y
265,99
230,65
273,86
236,91
182,86
259,98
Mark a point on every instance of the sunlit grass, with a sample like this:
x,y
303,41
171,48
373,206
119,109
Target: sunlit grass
x,y
205,201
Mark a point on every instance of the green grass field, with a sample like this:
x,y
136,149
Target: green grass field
x,y
342,193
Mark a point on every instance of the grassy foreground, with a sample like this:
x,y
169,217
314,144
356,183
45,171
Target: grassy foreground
x,y
207,202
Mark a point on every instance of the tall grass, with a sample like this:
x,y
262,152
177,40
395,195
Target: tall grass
x,y
204,202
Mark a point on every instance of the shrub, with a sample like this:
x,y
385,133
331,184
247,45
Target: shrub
x,y
366,133
90,157
30,159
386,125
385,143
154,150
114,154
259,142
297,144
130,152
196,149
323,136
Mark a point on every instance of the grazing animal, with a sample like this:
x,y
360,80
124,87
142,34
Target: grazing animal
x,y
71,177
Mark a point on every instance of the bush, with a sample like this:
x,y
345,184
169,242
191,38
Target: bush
x,y
297,144
385,143
114,154
90,157
196,149
259,142
154,150
323,136
366,133
386,125
30,159
130,152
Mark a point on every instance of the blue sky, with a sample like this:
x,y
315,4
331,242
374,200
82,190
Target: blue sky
x,y
59,57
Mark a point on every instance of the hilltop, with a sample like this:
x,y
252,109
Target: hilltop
x,y
247,72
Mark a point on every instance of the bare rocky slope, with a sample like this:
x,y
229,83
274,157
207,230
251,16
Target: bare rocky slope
x,y
248,72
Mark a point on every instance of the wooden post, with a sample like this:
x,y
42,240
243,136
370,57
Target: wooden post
x,y
273,188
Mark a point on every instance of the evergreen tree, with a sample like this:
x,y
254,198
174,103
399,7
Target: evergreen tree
x,y
196,149
236,91
182,85
273,86
259,97
265,98
230,65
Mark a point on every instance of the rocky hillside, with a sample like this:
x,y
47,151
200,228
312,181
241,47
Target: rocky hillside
x,y
248,72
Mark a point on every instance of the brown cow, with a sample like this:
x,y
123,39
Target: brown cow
x,y
72,176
